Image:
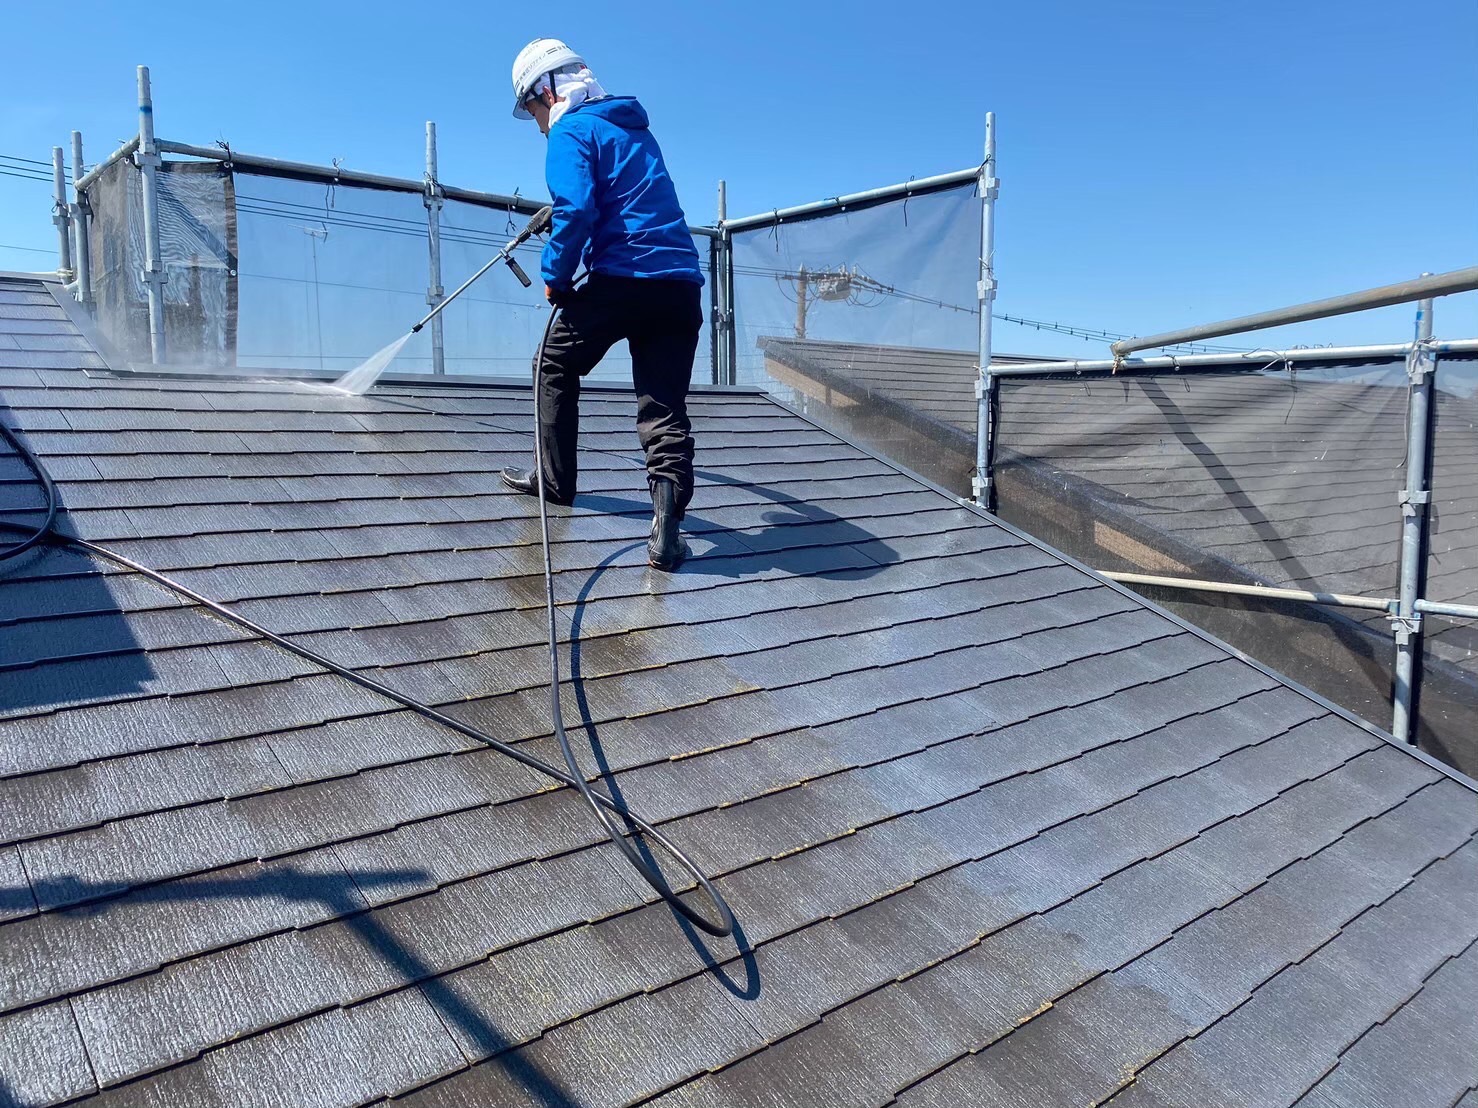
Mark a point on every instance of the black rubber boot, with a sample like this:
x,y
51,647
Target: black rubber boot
x,y
525,482
665,547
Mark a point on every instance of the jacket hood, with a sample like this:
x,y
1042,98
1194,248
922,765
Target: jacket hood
x,y
624,111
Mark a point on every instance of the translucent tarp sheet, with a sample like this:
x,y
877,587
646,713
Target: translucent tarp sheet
x,y
116,240
197,236
1452,564
1448,696
495,326
330,274
1275,477
1266,476
867,321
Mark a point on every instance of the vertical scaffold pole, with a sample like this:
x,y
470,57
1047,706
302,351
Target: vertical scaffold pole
x,y
435,293
147,159
985,295
1421,366
81,227
61,214
723,291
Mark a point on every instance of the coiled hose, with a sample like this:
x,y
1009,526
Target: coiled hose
x,y
720,923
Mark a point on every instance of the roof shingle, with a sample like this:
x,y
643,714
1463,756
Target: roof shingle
x,y
993,829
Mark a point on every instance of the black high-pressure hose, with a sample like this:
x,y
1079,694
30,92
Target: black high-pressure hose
x,y
605,808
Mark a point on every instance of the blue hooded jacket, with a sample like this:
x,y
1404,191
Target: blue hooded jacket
x,y
615,207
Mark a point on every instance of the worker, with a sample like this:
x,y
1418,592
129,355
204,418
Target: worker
x,y
615,211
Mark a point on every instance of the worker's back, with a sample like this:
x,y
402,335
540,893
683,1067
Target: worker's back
x,y
615,207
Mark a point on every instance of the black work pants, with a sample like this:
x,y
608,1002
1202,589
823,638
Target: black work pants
x,y
660,321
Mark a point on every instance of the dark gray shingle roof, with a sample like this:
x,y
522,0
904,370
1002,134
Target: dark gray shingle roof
x,y
1287,480
995,832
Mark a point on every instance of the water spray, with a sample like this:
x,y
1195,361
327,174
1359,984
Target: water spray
x,y
630,833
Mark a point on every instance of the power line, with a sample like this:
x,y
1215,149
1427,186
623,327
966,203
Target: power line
x,y
7,171
363,221
417,225
858,278
496,236
386,224
1110,336
325,210
18,158
532,306
27,249
1089,333
41,170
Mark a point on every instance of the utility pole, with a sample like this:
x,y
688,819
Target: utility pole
x,y
435,294
314,234
802,279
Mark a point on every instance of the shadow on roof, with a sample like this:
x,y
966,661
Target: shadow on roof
x,y
66,637
798,537
341,897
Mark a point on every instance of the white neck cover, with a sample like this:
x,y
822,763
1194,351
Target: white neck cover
x,y
573,87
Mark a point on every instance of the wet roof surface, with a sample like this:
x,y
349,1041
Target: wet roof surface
x,y
995,832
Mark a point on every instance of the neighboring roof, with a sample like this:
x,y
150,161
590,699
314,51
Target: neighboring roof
x,y
917,381
996,832
1290,480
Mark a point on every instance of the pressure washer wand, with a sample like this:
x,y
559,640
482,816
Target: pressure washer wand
x,y
535,226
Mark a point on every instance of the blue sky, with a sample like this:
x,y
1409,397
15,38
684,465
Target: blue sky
x,y
1162,163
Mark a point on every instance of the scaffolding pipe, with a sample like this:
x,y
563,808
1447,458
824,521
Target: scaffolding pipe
x,y
836,203
1252,359
1441,608
731,317
1421,368
985,295
330,175
731,355
88,179
327,174
1403,292
1267,592
61,215
81,223
523,205
1328,599
719,291
434,291
147,159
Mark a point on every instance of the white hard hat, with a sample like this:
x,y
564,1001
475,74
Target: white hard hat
x,y
543,55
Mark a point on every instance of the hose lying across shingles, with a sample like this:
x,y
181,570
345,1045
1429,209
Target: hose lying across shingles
x,y
607,810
